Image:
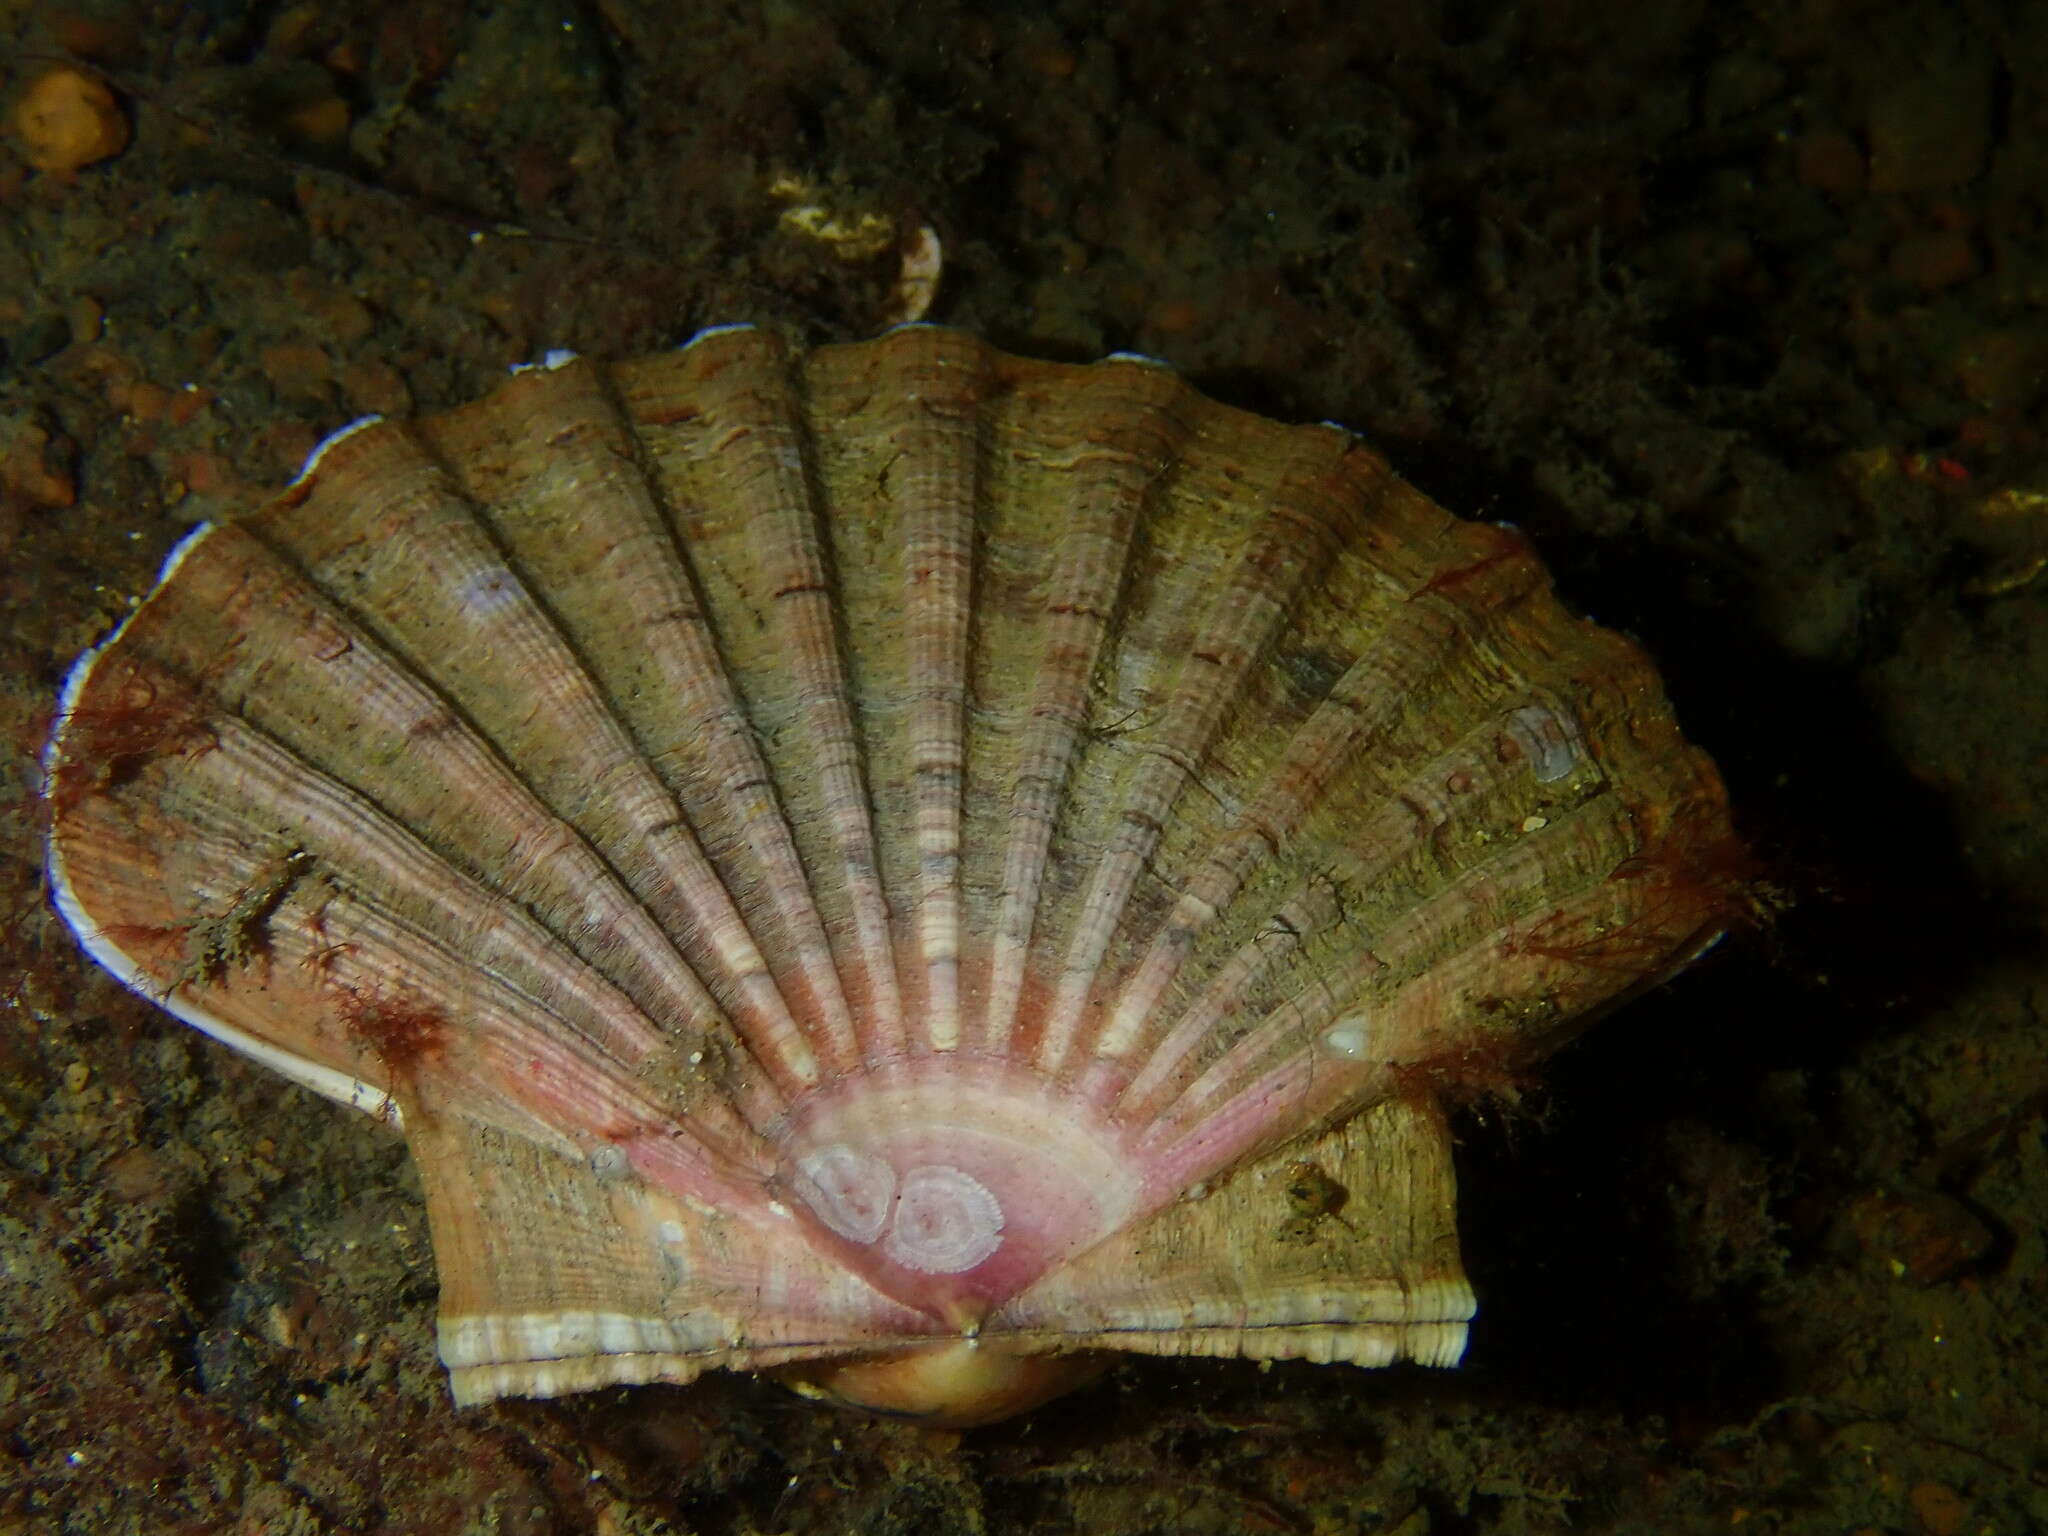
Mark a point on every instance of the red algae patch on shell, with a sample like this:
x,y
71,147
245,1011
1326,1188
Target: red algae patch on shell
x,y
885,865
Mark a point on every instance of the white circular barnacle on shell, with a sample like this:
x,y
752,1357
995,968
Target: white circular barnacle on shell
x,y
609,1163
1349,1039
947,1221
849,1190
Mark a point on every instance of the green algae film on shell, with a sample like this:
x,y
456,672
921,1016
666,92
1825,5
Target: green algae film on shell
x,y
877,862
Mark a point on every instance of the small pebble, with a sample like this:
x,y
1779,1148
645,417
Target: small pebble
x,y
1831,162
1938,259
68,120
1923,1236
1939,1508
40,340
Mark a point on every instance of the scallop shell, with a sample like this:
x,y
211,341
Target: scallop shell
x,y
898,864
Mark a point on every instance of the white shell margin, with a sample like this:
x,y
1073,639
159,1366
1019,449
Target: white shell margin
x,y
709,331
361,423
339,1086
1142,359
550,360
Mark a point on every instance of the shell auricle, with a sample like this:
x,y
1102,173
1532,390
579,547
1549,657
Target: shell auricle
x,y
897,865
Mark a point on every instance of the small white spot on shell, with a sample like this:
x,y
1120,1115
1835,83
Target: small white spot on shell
x,y
849,1190
946,1221
1345,1040
600,911
1549,740
672,1234
489,591
609,1163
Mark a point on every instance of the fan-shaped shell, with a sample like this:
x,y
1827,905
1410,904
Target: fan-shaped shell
x,y
901,862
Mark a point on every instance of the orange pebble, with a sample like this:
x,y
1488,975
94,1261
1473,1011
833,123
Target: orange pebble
x,y
67,120
323,122
206,473
148,401
1175,315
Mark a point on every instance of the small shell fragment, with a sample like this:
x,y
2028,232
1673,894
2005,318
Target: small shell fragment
x,y
1548,741
917,282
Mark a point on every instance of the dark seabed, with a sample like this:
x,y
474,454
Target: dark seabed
x,y
1739,309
